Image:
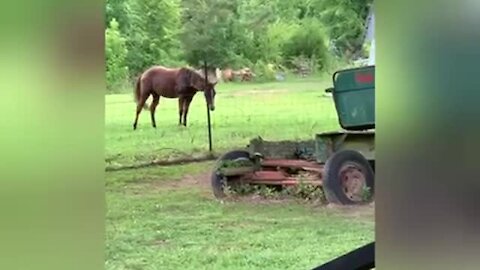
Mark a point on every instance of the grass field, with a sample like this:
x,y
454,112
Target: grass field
x,y
275,111
167,218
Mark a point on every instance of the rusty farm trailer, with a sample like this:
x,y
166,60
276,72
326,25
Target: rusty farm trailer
x,y
341,162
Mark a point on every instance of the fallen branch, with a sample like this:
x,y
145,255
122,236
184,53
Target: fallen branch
x,y
178,161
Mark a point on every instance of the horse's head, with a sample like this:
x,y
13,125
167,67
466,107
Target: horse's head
x,y
210,93
208,87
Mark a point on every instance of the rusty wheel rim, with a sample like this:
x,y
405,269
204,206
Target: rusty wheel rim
x,y
353,181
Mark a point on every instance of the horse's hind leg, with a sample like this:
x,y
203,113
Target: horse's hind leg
x,y
153,106
181,101
140,104
186,105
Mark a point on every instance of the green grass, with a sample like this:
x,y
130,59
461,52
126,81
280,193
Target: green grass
x,y
275,111
151,224
158,220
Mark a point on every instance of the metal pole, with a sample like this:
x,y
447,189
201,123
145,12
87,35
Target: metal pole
x,y
208,109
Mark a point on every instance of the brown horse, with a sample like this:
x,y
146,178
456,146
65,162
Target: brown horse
x,y
182,83
245,74
227,75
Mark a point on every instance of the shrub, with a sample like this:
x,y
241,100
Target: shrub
x,y
309,42
264,71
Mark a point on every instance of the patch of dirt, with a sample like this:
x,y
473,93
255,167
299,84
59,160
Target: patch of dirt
x,y
200,180
197,182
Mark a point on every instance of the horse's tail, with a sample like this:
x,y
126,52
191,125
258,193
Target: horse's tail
x,y
137,93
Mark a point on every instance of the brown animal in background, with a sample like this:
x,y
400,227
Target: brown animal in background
x,y
228,75
182,83
245,74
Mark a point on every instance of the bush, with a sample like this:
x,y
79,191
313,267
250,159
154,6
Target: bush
x,y
309,41
264,71
271,44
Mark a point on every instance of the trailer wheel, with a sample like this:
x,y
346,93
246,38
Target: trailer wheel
x,y
349,178
219,181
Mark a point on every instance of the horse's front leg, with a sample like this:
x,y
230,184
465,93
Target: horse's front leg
x,y
180,109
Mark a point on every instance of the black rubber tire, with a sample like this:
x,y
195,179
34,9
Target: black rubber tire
x,y
217,180
332,186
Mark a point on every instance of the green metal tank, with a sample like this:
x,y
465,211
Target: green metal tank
x,y
354,97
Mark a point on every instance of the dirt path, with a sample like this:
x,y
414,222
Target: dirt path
x,y
201,182
263,92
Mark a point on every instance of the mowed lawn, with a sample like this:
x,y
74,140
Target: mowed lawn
x,y
167,218
274,111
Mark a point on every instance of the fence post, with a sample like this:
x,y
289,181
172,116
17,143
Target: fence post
x,y
208,109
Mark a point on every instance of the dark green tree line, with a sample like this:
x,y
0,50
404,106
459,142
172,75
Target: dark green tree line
x,y
231,33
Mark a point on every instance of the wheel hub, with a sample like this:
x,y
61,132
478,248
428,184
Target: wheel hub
x,y
353,181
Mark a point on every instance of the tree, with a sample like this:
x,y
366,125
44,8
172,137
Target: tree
x,y
345,21
211,30
120,10
153,37
116,53
227,32
232,33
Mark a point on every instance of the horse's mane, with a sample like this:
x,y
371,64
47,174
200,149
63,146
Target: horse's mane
x,y
212,78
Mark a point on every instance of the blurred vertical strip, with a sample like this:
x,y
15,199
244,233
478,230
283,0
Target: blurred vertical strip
x,y
427,152
370,35
51,134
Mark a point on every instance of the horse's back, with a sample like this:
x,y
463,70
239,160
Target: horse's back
x,y
161,70
162,80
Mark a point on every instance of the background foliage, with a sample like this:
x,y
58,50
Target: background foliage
x,y
266,36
